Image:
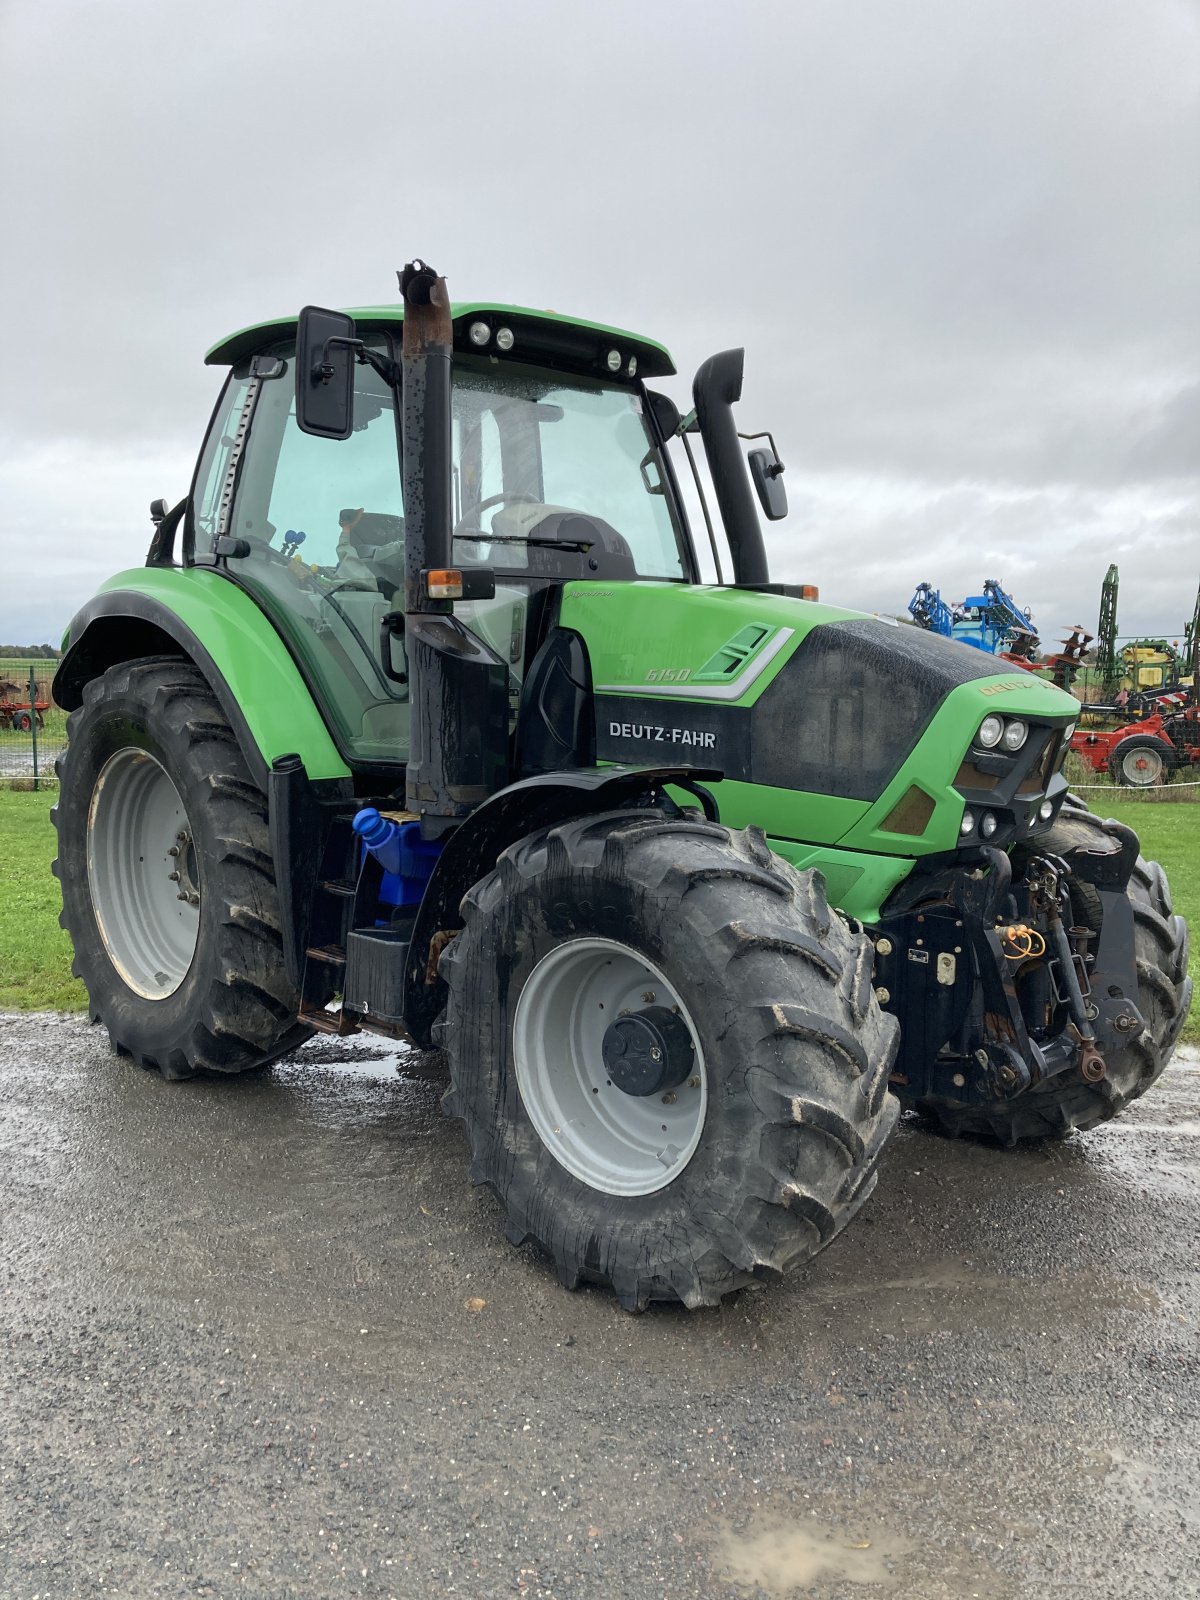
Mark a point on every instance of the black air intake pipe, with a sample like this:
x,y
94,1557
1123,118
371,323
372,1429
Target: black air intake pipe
x,y
716,389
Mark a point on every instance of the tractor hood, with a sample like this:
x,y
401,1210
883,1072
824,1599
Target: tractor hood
x,y
829,717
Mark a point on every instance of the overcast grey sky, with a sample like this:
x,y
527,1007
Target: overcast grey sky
x,y
960,240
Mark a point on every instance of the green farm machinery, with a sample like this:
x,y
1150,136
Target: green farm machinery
x,y
420,719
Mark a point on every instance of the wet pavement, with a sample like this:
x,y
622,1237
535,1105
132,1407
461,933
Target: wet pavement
x,y
263,1339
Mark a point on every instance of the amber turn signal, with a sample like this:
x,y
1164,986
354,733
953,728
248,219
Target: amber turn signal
x,y
444,583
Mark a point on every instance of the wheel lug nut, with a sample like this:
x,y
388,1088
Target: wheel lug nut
x,y
174,877
174,850
649,997
669,1099
655,1053
693,1083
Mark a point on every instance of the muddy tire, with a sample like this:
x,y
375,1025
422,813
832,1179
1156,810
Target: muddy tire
x,y
1065,1103
770,1130
167,884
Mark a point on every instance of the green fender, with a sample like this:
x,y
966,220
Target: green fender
x,y
197,613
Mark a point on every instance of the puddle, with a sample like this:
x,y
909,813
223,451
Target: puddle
x,y
366,1056
781,1558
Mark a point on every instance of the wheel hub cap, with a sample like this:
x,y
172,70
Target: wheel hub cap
x,y
648,1052
590,1016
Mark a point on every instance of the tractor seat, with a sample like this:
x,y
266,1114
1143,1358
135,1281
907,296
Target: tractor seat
x,y
367,529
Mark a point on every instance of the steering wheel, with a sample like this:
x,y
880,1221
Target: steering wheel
x,y
516,495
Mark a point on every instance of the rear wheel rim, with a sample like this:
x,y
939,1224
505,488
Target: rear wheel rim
x,y
143,877
614,1142
1142,767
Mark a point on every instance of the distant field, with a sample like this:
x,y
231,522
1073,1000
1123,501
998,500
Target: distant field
x,y
35,954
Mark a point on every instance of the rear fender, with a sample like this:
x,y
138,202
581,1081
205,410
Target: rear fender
x,y
201,617
473,848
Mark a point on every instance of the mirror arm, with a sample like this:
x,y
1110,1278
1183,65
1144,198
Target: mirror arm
x,y
387,369
778,468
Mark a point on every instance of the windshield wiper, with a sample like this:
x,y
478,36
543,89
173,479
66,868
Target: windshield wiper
x,y
544,544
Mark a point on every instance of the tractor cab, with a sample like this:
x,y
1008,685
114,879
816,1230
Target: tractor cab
x,y
558,471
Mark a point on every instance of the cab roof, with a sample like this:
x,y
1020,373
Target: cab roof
x,y
543,336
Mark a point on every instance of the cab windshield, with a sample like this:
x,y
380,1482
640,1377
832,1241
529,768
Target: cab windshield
x,y
542,457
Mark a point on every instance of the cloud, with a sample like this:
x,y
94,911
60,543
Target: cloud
x,y
960,244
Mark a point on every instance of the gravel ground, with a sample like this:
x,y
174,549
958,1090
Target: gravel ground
x,y
261,1338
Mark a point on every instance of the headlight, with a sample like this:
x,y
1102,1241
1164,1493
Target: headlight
x,y
988,825
991,731
1015,733
1045,810
967,825
1068,732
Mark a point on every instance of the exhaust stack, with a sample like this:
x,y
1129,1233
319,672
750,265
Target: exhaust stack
x,y
716,389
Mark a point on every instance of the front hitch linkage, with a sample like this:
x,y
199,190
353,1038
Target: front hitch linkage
x,y
1047,884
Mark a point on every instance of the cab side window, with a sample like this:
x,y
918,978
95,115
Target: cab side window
x,y
213,466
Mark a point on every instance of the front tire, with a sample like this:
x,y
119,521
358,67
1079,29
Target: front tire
x,y
168,890
763,1143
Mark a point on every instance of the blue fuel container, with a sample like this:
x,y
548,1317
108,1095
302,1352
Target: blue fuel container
x,y
407,859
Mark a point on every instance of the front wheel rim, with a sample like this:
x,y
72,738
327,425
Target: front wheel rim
x,y
614,1142
143,877
1142,767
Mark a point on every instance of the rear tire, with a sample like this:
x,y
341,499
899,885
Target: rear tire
x,y
789,1107
1065,1103
152,783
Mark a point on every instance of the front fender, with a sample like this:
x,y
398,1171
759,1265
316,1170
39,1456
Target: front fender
x,y
198,614
471,851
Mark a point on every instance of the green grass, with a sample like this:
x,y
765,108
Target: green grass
x,y
35,954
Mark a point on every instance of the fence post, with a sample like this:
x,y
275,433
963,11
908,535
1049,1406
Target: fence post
x,y
33,723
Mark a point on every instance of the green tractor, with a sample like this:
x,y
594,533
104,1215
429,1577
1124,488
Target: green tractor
x,y
419,719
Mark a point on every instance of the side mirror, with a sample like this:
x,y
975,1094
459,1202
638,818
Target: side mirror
x,y
325,342
766,469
